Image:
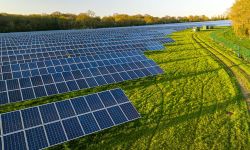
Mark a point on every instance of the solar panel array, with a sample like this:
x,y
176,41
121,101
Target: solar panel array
x,y
54,123
38,64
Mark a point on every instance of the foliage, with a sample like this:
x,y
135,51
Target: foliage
x,y
240,17
184,108
60,21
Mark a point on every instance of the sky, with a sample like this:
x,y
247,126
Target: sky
x,y
157,8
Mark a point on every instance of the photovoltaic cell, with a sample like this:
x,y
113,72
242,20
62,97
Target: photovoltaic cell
x,y
55,133
88,123
11,122
72,128
50,124
15,141
36,138
31,117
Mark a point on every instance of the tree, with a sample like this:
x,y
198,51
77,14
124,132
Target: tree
x,y
60,21
87,20
240,16
108,21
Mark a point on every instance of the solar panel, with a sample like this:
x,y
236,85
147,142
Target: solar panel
x,y
39,64
71,64
54,123
61,82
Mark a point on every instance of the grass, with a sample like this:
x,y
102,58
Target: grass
x,y
238,45
238,66
184,108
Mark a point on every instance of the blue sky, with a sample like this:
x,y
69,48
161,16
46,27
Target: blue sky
x,y
108,7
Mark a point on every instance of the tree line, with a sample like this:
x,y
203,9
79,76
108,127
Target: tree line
x,y
240,16
62,21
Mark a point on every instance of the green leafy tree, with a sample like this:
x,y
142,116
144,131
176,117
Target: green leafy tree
x,y
240,15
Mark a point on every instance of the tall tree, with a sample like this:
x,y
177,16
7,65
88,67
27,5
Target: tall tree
x,y
240,16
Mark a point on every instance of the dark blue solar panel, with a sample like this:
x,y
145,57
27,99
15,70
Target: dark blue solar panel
x,y
119,96
72,85
88,123
31,117
109,79
15,141
125,76
65,109
117,77
67,76
107,98
12,84
15,96
100,80
37,80
48,109
72,128
2,86
51,89
94,102
91,82
54,123
28,93
129,111
47,79
80,105
11,122
58,77
103,119
132,75
40,91
62,87
82,84
55,133
117,115
4,98
36,138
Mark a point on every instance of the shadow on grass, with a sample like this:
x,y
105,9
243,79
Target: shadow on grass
x,y
125,135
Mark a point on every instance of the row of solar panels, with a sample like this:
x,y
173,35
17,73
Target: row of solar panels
x,y
24,58
122,31
35,75
68,64
9,51
5,42
80,45
68,34
50,124
84,43
102,47
15,90
100,59
75,40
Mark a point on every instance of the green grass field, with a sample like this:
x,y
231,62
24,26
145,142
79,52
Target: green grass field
x,y
184,108
227,37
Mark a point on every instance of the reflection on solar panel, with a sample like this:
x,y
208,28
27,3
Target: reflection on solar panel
x,y
54,123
